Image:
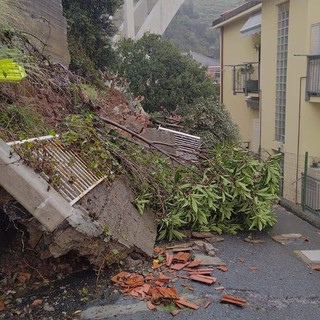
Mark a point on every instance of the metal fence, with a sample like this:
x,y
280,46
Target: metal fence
x,y
311,194
310,187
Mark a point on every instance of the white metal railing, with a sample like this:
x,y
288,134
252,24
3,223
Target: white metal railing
x,y
75,179
187,146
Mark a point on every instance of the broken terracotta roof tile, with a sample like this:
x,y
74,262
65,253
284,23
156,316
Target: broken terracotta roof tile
x,y
174,312
163,278
133,293
157,250
233,300
316,267
222,268
203,279
173,292
194,263
146,287
253,268
182,257
134,281
118,278
155,295
199,271
219,288
151,306
169,259
149,277
182,302
179,266
159,283
207,304
159,294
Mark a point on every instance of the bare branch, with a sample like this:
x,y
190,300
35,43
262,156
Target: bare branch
x,y
148,142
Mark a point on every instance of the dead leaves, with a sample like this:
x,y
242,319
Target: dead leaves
x,y
23,277
222,268
36,303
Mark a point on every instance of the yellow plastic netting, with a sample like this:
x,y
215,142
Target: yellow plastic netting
x,y
10,71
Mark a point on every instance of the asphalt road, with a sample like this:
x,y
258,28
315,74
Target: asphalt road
x,y
283,286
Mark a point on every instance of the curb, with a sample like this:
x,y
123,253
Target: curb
x,y
306,215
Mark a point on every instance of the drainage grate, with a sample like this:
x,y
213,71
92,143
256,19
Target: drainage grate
x,y
187,146
75,178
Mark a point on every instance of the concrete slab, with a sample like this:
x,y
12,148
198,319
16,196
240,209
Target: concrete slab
x,y
209,261
32,191
309,256
285,238
113,209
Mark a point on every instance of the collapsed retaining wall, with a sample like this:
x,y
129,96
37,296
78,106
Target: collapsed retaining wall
x,y
103,227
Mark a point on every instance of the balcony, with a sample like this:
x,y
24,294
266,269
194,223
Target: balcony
x,y
246,78
313,79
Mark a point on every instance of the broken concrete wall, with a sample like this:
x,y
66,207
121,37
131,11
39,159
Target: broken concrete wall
x,y
45,24
113,208
125,229
103,220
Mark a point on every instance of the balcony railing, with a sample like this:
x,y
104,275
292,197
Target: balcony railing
x,y
313,77
246,78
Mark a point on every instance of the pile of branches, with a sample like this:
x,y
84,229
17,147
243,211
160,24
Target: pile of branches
x,y
229,189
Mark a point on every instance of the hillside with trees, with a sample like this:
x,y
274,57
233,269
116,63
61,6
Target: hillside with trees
x,y
191,30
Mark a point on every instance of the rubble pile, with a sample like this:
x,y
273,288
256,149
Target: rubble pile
x,y
156,286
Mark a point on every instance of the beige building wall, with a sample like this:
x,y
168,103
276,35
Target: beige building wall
x,y
239,49
302,117
299,113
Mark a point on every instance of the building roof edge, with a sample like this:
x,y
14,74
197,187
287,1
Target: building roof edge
x,y
224,17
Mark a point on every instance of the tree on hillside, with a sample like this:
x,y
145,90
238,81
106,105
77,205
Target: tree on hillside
x,y
211,121
90,30
191,28
156,70
190,33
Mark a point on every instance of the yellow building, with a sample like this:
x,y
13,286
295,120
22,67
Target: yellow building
x,y
270,83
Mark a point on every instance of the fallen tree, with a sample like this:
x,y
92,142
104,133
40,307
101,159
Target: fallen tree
x,y
228,190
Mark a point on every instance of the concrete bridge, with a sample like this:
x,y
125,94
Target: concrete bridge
x,y
140,16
